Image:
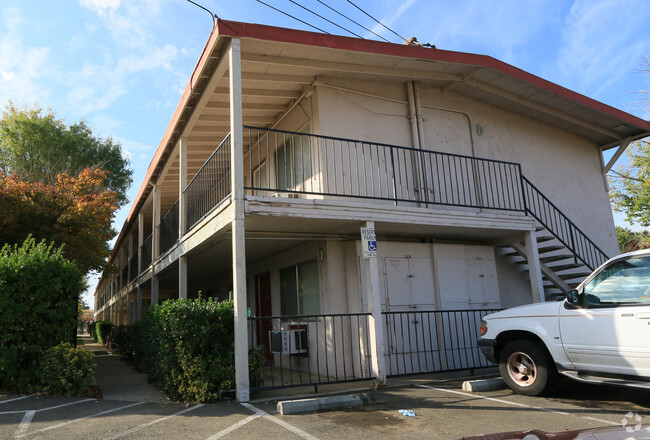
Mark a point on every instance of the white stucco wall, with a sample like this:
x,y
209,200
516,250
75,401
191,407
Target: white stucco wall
x,y
565,167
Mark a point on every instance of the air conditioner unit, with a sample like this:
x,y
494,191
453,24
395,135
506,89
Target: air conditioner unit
x,y
288,341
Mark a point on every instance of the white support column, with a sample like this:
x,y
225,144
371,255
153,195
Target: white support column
x,y
138,304
373,300
155,244
238,231
140,241
182,277
534,267
182,182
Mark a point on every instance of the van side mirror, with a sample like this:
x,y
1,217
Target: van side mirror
x,y
573,297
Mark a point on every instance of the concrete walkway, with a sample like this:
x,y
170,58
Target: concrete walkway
x,y
119,381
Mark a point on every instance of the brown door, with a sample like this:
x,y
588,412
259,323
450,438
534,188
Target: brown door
x,y
263,303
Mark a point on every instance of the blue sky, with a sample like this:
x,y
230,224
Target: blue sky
x,y
122,65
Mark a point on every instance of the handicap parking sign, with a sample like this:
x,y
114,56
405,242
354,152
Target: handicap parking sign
x,y
368,243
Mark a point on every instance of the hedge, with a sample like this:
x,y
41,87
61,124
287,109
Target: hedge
x,y
186,347
39,291
67,370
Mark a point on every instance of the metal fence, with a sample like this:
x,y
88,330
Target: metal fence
x,y
433,341
168,229
312,349
289,162
210,186
146,251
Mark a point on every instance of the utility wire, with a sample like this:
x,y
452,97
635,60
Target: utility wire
x,y
295,18
207,10
404,39
329,21
348,18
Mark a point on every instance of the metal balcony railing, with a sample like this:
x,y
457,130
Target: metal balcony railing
x,y
133,267
210,186
168,229
289,162
146,251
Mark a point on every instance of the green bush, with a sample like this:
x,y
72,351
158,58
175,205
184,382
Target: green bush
x,y
91,329
187,348
103,331
66,370
39,291
122,340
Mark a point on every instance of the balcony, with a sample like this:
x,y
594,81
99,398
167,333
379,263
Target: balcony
x,y
283,163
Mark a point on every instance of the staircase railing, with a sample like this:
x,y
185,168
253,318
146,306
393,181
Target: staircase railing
x,y
558,224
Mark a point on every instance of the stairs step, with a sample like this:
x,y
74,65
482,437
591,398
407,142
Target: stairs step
x,y
545,249
573,276
512,253
552,258
561,267
544,238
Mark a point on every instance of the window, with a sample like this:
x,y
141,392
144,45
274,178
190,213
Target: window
x,y
299,289
293,159
623,282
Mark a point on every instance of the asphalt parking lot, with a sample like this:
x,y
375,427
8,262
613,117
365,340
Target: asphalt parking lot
x,y
442,411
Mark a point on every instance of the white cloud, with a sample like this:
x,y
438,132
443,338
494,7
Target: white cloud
x,y
597,51
100,6
22,69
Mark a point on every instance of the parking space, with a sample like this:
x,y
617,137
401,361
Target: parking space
x,y
442,411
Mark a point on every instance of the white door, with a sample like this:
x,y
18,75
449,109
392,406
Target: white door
x,y
609,331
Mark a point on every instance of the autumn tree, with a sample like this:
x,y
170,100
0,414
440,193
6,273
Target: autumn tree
x,y
72,210
35,146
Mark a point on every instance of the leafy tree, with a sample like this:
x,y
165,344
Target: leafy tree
x,y
629,240
35,146
631,184
76,211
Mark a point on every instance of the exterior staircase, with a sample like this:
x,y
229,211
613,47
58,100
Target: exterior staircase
x,y
566,254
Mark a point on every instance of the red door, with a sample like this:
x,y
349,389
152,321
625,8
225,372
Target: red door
x,y
263,303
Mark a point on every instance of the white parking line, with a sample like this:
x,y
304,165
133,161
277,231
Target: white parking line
x,y
477,396
153,422
24,423
29,415
46,409
16,398
237,425
86,417
299,432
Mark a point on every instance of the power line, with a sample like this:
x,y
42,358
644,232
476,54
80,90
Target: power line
x,y
329,21
348,18
398,35
205,9
295,18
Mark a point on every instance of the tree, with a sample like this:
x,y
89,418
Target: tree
x,y
35,146
76,211
629,240
630,181
630,184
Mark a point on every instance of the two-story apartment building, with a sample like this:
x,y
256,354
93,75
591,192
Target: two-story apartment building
x,y
478,186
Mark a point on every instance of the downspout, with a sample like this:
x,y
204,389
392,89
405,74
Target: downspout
x,y
420,191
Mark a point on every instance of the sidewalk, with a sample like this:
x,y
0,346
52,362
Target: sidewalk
x,y
117,380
